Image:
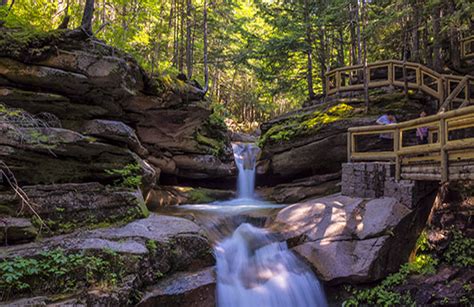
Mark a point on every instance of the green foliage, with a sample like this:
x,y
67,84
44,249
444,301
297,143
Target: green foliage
x,y
383,294
151,246
129,176
57,272
460,251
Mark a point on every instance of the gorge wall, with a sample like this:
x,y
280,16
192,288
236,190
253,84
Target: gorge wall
x,y
85,135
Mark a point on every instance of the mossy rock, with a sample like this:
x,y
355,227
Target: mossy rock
x,y
306,124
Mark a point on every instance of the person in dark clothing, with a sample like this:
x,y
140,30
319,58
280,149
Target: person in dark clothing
x,y
422,132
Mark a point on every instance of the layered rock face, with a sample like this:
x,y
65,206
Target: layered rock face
x,y
85,134
98,91
313,140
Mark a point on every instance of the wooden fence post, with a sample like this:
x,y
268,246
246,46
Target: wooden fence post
x,y
338,81
390,73
396,148
443,135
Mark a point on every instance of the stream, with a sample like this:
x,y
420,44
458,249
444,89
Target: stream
x,y
254,267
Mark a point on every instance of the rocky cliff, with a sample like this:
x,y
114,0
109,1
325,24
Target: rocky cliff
x,y
312,142
85,135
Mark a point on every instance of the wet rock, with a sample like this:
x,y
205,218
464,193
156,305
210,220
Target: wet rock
x,y
449,286
298,190
350,239
163,196
242,137
66,207
16,230
183,289
202,167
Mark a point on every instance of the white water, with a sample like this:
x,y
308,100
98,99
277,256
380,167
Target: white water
x,y
253,267
245,155
252,270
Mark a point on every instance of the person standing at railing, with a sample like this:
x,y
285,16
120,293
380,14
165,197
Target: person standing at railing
x,y
422,132
386,139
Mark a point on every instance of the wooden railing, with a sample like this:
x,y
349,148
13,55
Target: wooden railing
x,y
419,77
448,155
467,47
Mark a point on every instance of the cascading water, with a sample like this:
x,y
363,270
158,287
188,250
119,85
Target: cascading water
x,y
245,155
253,267
253,270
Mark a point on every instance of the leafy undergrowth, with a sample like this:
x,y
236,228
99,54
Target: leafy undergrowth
x,y
459,253
56,271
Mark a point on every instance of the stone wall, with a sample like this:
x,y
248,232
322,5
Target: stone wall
x,y
377,179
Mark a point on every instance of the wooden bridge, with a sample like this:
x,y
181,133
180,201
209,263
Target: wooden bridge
x,y
451,91
448,155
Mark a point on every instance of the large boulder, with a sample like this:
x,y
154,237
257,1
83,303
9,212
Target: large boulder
x,y
127,258
301,189
163,196
352,239
195,289
16,230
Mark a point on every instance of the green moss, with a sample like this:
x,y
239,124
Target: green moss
x,y
200,196
300,125
216,147
129,176
28,43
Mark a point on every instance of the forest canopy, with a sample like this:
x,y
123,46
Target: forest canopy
x,y
265,57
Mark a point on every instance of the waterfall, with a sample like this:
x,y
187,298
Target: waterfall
x,y
254,269
245,155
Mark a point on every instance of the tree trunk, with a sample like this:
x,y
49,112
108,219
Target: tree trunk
x,y
359,60
206,68
322,57
437,60
404,68
340,50
454,43
416,33
364,42
189,59
86,23
427,49
182,42
353,33
309,51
